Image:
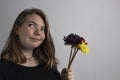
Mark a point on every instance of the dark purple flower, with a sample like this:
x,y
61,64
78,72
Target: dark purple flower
x,y
73,39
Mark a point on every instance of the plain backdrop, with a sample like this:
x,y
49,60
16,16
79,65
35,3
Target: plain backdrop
x,y
98,21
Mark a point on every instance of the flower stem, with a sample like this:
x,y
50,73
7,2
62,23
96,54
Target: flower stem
x,y
72,56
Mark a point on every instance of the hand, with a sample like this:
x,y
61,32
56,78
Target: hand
x,y
67,74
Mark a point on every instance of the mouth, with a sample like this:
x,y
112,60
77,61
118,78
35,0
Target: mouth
x,y
35,39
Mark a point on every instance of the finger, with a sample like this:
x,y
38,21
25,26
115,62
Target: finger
x,y
67,74
69,69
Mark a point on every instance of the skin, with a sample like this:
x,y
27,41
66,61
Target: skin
x,y
31,35
31,38
67,74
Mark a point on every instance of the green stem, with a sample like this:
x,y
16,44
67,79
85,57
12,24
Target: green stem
x,y
70,55
73,56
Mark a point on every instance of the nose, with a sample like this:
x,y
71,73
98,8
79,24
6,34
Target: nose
x,y
37,32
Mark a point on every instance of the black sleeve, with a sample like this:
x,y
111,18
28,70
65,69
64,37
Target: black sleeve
x,y
57,73
1,77
2,68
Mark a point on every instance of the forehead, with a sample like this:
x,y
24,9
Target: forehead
x,y
35,18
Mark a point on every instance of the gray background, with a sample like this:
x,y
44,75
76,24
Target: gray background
x,y
98,21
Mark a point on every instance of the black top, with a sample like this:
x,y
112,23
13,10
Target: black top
x,y
11,71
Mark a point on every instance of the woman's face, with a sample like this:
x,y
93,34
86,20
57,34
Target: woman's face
x,y
32,32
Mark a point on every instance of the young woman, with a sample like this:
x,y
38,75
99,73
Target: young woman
x,y
29,53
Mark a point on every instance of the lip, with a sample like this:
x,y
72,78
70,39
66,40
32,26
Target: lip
x,y
35,39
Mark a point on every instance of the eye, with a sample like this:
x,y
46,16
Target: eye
x,y
43,29
31,25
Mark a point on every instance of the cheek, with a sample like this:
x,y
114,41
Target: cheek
x,y
24,33
43,37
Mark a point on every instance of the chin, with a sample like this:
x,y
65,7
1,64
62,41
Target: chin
x,y
35,46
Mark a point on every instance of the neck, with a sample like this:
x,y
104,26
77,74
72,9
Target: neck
x,y
27,53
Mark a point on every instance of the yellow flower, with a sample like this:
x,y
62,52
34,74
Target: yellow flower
x,y
83,47
77,43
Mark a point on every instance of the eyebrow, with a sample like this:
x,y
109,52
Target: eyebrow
x,y
35,23
32,22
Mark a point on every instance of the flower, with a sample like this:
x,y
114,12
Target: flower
x,y
83,47
77,43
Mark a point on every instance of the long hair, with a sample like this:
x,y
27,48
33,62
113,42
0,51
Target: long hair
x,y
45,53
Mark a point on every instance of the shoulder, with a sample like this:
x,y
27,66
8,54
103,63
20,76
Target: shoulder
x,y
55,71
3,62
4,65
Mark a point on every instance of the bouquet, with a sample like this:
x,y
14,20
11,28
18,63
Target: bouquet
x,y
77,43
